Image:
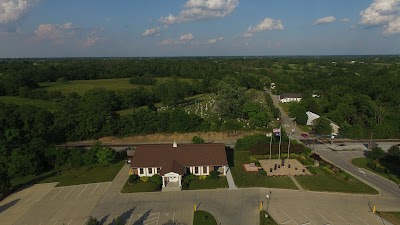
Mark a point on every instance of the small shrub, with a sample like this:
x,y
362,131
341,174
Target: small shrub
x,y
253,159
262,172
344,176
144,179
214,174
326,169
198,140
189,178
132,178
203,177
157,179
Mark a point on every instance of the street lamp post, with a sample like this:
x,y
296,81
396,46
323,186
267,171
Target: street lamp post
x,y
268,199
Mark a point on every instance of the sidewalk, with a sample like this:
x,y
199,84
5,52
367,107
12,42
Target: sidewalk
x,y
120,179
231,182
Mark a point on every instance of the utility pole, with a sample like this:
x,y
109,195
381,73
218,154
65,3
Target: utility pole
x,y
270,147
370,141
288,148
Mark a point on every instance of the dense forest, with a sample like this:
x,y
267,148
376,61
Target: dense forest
x,y
360,94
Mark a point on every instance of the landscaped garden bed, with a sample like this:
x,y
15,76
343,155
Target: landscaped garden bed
x,y
142,184
213,181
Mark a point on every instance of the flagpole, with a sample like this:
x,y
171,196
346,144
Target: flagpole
x,y
288,148
270,147
280,141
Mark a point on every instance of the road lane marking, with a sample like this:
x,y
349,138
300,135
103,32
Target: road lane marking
x,y
360,219
323,217
70,192
94,189
57,193
341,218
70,222
130,218
107,188
55,223
359,170
82,190
33,195
289,216
305,216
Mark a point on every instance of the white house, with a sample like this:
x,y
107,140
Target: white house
x,y
284,98
312,116
172,162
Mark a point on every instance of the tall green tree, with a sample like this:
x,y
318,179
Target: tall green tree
x,y
106,156
322,126
231,97
5,180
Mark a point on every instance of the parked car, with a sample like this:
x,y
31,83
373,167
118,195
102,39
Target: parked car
x,y
304,135
129,160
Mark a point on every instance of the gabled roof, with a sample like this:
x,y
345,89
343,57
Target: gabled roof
x,y
289,95
172,166
185,155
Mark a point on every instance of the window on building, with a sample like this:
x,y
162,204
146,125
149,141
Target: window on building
x,y
141,171
204,169
158,170
196,170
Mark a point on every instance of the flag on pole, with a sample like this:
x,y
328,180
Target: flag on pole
x,y
277,131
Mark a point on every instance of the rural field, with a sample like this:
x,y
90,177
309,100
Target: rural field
x,y
48,105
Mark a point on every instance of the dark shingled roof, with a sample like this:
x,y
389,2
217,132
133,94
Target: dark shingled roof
x,y
185,155
289,95
172,166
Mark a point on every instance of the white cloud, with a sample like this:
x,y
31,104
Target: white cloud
x,y
183,39
56,33
93,38
186,37
13,10
325,20
215,40
265,24
202,9
154,31
384,13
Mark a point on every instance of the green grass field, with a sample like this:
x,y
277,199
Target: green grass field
x,y
247,179
139,186
208,184
324,181
82,86
50,106
203,218
67,176
362,163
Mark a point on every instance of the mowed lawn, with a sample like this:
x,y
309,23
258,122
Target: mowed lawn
x,y
85,175
203,218
249,179
82,86
48,105
208,183
362,163
324,181
139,186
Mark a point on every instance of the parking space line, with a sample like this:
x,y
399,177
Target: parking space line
x,y
85,221
173,217
360,219
323,217
130,218
25,193
70,192
55,223
305,216
289,216
33,195
57,193
44,195
107,188
70,222
342,218
94,189
285,222
82,190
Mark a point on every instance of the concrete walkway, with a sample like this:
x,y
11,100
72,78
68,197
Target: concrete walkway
x,y
296,183
231,182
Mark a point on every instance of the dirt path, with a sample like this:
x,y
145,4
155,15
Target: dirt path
x,y
218,137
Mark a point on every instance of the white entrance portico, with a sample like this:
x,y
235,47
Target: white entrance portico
x,y
172,179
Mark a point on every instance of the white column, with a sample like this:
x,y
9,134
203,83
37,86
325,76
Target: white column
x,y
179,179
208,170
163,181
224,170
138,172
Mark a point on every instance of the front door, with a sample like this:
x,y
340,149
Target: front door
x,y
173,179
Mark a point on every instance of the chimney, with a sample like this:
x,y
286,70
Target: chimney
x,y
175,145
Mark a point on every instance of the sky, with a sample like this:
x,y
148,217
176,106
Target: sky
x,y
152,28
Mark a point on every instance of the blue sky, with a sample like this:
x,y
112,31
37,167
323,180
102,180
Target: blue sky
x,y
96,28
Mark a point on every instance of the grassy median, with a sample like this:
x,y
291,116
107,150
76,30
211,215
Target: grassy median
x,y
203,218
323,181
